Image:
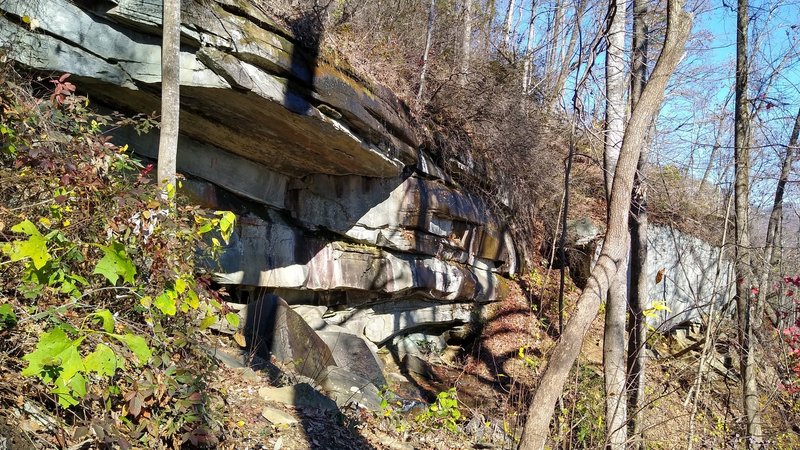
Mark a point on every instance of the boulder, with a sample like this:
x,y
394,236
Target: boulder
x,y
693,277
345,387
351,352
272,328
418,344
580,248
336,202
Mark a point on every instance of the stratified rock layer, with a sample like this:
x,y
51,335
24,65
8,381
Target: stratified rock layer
x,y
337,204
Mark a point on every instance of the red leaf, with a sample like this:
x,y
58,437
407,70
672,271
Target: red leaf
x,y
63,77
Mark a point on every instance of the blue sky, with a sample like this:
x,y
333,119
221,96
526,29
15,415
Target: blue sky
x,y
690,116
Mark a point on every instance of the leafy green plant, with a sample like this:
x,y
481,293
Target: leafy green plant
x,y
7,317
58,363
103,272
391,410
443,413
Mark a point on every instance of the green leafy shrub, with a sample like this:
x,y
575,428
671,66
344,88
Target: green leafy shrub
x,y
99,280
443,413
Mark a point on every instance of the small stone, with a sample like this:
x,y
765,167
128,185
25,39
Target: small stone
x,y
277,417
300,396
250,375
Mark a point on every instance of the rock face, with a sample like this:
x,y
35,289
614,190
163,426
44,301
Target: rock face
x,y
338,206
694,277
246,87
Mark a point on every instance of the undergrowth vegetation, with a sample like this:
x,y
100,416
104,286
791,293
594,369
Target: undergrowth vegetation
x,y
102,310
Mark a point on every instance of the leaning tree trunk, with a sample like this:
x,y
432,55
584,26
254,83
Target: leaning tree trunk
x,y
638,293
613,252
714,154
743,265
775,217
170,93
565,61
616,306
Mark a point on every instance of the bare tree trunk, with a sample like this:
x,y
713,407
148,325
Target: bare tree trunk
x,y
613,252
717,143
428,42
466,42
615,92
775,218
507,31
170,92
638,293
741,206
614,361
553,38
711,328
527,65
565,60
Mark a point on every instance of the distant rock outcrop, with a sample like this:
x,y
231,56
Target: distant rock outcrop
x,y
337,203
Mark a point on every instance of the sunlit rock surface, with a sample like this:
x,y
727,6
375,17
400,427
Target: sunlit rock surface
x,y
337,203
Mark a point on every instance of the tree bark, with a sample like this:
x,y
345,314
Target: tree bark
x,y
565,60
743,262
613,252
637,223
170,93
527,65
717,143
614,361
466,43
775,217
615,92
507,31
428,43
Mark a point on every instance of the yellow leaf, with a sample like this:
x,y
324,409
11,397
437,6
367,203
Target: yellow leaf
x,y
239,338
180,285
66,222
209,320
26,19
45,221
192,299
146,301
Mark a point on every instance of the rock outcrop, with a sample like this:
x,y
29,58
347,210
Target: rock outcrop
x,y
337,203
694,276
